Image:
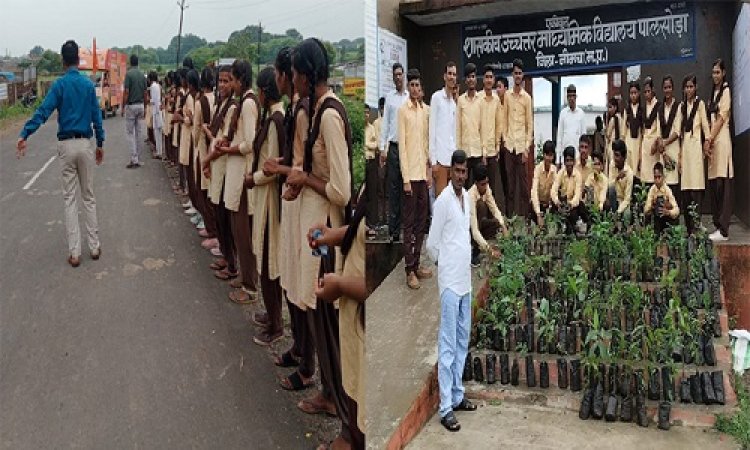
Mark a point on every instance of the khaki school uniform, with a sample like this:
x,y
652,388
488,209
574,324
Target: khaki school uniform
x,y
219,165
721,165
585,171
501,121
488,200
330,163
570,185
693,171
633,145
186,130
599,183
177,126
240,164
266,200
611,133
352,332
468,118
488,106
623,186
541,186
664,191
413,141
650,136
672,177
199,136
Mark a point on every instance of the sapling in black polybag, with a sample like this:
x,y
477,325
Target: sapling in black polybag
x,y
641,417
514,372
707,383
467,375
530,371
611,413
478,374
498,343
696,390
597,408
575,375
562,339
664,410
718,383
543,375
667,383
612,376
490,366
626,410
585,411
562,373
685,394
654,386
504,369
709,354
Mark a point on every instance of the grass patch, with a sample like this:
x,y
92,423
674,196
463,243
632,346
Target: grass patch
x,y
8,113
738,424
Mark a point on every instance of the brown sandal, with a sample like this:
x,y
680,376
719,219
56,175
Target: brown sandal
x,y
219,264
317,405
225,274
241,297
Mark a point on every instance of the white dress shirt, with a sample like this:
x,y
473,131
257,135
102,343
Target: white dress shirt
x,y
570,127
155,93
389,127
449,241
442,128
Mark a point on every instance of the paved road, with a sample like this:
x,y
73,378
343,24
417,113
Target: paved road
x,y
140,349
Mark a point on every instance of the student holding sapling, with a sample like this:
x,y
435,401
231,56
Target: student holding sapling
x,y
660,202
620,178
597,183
486,218
568,183
541,186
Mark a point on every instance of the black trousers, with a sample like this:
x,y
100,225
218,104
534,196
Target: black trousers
x,y
395,188
496,181
303,346
224,233
721,190
688,198
375,194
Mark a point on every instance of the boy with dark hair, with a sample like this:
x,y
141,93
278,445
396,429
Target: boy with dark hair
x,y
443,127
541,185
660,203
596,183
519,141
620,177
486,218
468,120
566,190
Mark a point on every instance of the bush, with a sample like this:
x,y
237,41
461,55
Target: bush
x,y
17,110
356,113
738,424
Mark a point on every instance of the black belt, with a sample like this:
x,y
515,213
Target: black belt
x,y
66,136
135,103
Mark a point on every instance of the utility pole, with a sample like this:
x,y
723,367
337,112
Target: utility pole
x,y
182,6
257,56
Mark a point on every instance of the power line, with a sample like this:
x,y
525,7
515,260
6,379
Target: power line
x,y
182,6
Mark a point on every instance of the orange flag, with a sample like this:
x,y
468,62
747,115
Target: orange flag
x,y
94,59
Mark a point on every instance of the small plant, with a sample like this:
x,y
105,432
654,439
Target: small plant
x,y
737,424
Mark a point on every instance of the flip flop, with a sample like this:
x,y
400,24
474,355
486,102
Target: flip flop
x,y
294,382
219,264
241,297
450,422
287,359
225,275
310,406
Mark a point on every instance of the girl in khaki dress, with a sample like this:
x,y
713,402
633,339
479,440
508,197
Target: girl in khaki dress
x,y
670,122
264,190
650,154
632,127
205,106
718,146
694,125
612,132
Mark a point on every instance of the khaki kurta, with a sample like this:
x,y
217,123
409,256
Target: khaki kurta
x,y
489,200
609,138
623,186
149,116
240,164
351,331
487,125
519,135
186,136
413,138
672,150
330,163
632,145
664,190
541,186
177,108
199,136
600,184
292,241
585,171
219,165
371,141
650,136
266,200
468,118
570,185
721,164
693,170
501,121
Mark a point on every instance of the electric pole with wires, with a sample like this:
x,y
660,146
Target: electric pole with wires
x,y
182,6
257,56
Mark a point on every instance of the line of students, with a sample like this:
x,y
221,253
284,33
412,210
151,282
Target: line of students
x,y
272,188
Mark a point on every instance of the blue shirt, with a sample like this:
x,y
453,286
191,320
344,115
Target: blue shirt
x,y
74,98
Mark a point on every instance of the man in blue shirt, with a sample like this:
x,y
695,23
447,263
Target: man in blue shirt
x,y
74,97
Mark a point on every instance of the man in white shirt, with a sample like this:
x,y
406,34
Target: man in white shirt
x,y
570,126
443,128
389,150
155,95
449,244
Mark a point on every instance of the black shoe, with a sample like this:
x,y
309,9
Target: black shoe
x,y
450,422
475,261
465,405
131,166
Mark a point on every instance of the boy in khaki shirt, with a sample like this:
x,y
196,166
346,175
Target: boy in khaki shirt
x,y
596,183
583,164
620,177
468,120
541,186
486,218
413,149
660,203
568,183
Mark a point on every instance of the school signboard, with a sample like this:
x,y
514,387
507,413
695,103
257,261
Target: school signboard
x,y
584,39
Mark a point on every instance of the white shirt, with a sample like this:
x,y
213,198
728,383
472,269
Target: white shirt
x,y
449,241
155,92
570,127
442,128
389,125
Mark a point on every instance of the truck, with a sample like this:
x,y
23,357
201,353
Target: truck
x,y
107,72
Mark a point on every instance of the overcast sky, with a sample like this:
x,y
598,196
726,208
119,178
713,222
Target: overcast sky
x,y
152,23
591,90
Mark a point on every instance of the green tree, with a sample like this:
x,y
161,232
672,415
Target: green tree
x,y
36,51
331,50
50,62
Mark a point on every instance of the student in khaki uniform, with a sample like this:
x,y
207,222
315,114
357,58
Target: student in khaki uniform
x,y
501,129
520,141
486,218
264,190
325,183
541,185
650,151
349,288
691,164
214,169
670,123
168,111
205,108
632,127
238,147
718,147
468,121
186,144
302,351
621,178
584,165
488,131
413,123
661,206
566,189
612,132
596,183
177,122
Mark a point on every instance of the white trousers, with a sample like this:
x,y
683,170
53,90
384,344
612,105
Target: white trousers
x,y
77,164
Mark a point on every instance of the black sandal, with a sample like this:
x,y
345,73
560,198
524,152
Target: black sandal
x,y
450,422
295,381
465,405
287,359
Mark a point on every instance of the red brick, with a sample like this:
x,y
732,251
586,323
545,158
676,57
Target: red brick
x,y
723,355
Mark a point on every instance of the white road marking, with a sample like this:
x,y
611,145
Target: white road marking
x,y
39,172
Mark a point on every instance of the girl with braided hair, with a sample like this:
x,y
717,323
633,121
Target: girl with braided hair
x,y
691,166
